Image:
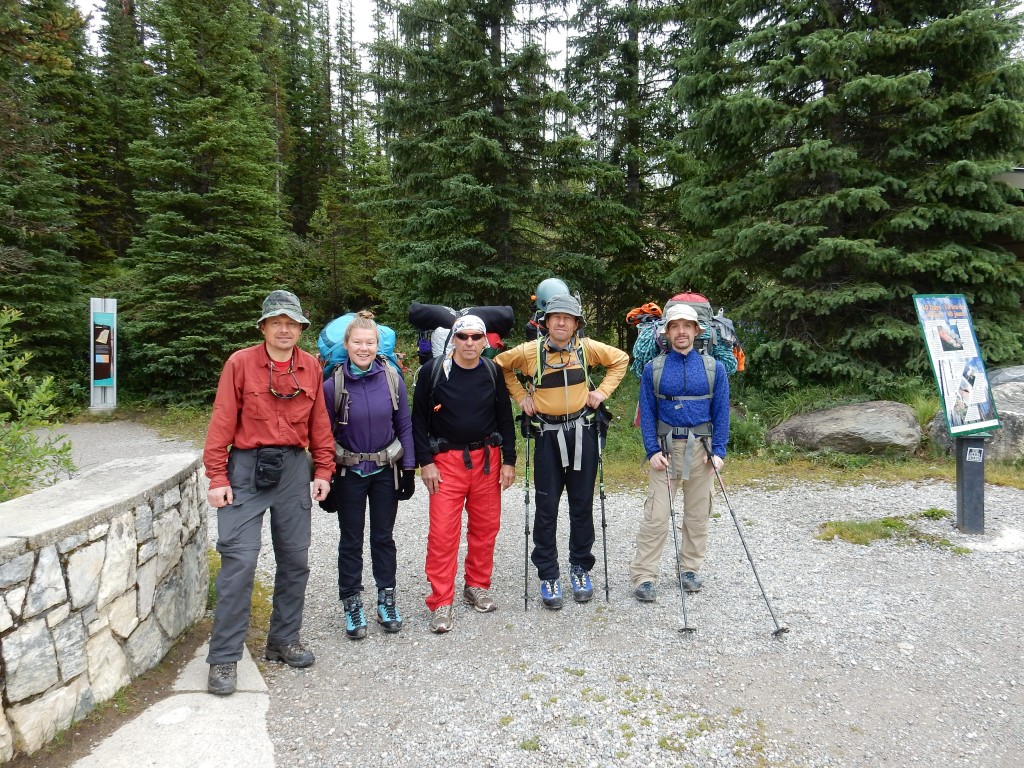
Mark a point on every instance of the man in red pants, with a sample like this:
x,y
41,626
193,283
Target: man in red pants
x,y
466,449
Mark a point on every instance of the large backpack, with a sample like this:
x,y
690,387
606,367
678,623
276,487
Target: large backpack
x,y
331,344
720,340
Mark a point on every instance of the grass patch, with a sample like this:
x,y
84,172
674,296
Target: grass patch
x,y
532,744
897,528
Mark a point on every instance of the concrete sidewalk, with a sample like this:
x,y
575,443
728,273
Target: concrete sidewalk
x,y
193,729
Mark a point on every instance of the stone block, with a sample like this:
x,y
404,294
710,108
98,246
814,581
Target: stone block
x,y
15,600
57,615
69,638
6,619
148,550
6,741
180,598
143,522
97,532
145,580
146,647
30,661
47,586
84,566
69,543
122,614
36,723
17,570
172,497
118,572
168,531
108,665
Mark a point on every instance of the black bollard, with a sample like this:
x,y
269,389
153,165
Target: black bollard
x,y
970,483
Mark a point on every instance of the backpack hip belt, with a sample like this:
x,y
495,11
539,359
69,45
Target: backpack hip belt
x,y
667,433
441,445
560,425
384,457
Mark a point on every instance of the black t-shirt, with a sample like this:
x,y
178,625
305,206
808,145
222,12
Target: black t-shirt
x,y
464,408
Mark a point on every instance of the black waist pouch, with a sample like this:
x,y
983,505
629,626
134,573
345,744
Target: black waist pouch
x,y
269,467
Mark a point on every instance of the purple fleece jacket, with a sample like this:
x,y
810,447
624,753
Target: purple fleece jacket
x,y
372,422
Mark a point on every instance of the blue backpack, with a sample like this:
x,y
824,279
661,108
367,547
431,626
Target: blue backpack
x,y
331,343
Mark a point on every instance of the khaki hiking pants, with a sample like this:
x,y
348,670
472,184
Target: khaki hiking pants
x,y
692,517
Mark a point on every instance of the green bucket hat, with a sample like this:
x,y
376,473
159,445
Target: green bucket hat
x,y
283,303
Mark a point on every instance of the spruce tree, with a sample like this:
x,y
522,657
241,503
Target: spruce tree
x,y
211,245
38,275
842,159
463,105
126,113
618,72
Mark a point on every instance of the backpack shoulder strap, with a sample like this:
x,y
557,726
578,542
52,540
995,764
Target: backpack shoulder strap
x,y
392,377
340,396
710,366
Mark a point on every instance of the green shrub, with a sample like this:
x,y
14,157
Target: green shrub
x,y
26,404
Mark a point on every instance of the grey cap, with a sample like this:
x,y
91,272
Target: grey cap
x,y
565,304
283,303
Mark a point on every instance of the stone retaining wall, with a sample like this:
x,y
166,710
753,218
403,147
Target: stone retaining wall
x,y
99,575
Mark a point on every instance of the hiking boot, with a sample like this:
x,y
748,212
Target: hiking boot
x,y
387,612
690,581
579,580
355,619
646,592
442,619
293,654
551,594
479,598
223,679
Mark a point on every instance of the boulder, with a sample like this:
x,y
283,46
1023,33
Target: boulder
x,y
1007,442
873,427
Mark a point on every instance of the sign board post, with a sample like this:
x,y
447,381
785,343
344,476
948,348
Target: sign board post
x,y
965,394
102,354
970,483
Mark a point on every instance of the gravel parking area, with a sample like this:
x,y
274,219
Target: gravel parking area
x,y
898,653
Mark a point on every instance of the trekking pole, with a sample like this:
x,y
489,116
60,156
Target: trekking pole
x,y
779,630
602,433
527,430
667,452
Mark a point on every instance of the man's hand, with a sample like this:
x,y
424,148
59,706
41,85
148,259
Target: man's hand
x,y
717,461
220,497
320,489
508,476
595,397
431,477
659,462
528,407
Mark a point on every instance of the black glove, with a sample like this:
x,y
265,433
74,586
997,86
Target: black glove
x,y
331,501
406,484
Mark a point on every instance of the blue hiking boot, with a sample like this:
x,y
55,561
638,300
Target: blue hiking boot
x,y
579,579
387,612
551,594
355,619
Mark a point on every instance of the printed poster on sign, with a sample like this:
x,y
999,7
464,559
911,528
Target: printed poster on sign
x,y
956,360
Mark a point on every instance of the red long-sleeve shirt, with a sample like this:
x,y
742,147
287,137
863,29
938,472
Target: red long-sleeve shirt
x,y
246,414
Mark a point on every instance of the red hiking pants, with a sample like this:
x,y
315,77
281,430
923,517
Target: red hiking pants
x,y
480,495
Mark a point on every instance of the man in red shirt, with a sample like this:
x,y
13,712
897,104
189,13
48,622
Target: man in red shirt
x,y
269,408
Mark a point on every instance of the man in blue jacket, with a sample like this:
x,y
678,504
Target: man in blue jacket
x,y
683,396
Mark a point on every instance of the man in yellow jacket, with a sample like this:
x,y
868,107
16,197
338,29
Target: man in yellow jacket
x,y
563,407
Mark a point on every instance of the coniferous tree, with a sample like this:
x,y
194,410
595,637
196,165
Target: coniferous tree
x,y
465,109
843,160
212,241
38,276
618,72
126,114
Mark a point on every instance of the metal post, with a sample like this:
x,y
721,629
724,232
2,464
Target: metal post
x,y
970,483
